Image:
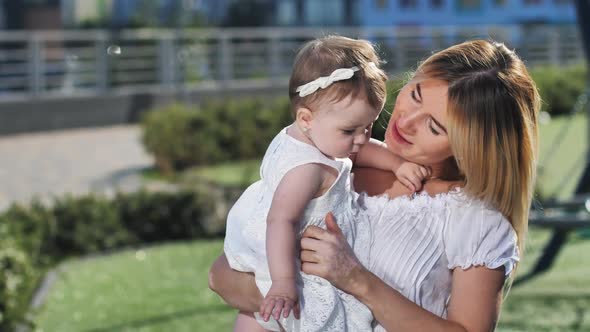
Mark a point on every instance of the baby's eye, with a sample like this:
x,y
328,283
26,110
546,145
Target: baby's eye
x,y
348,131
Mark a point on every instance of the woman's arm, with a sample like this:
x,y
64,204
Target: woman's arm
x,y
476,292
238,289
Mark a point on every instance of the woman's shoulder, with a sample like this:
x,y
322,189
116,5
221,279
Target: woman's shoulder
x,y
476,233
464,206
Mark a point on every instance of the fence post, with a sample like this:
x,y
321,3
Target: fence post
x,y
275,56
167,60
102,66
36,66
554,47
227,71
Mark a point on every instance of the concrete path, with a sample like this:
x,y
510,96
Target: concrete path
x,y
73,161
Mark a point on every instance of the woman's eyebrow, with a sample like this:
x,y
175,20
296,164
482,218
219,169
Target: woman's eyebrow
x,y
419,90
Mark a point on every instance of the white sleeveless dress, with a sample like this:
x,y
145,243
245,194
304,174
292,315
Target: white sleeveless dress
x,y
323,307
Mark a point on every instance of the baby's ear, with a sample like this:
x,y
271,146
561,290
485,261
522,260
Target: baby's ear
x,y
304,117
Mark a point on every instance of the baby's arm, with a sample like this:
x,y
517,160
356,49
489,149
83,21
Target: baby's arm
x,y
376,155
292,195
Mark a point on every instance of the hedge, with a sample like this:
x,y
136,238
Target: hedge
x,y
559,87
180,136
35,237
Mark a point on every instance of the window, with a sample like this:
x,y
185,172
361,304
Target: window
x,y
325,12
381,4
436,3
407,4
286,12
469,5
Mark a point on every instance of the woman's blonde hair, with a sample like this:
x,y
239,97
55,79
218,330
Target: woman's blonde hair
x,y
321,56
493,106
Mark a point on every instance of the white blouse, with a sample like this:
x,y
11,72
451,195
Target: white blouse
x,y
418,241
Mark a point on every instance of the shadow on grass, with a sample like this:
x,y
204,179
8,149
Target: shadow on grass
x,y
162,318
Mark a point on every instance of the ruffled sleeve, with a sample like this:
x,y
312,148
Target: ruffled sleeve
x,y
479,236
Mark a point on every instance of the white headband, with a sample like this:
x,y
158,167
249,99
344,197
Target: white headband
x,y
323,82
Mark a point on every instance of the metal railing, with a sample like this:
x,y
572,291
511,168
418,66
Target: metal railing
x,y
66,62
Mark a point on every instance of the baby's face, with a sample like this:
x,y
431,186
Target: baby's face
x,y
339,129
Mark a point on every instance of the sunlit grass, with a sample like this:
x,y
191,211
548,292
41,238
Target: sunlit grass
x,y
163,288
232,174
562,157
558,300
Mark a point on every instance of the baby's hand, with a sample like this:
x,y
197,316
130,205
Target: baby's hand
x,y
282,296
411,175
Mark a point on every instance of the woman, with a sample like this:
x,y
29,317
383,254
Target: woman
x,y
439,259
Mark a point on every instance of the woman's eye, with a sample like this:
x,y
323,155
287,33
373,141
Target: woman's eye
x,y
413,94
434,131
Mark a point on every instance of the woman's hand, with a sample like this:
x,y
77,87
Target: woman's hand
x,y
325,253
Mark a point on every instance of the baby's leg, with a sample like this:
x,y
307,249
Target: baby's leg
x,y
246,322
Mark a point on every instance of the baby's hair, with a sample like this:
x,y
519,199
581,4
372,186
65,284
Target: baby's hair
x,y
320,57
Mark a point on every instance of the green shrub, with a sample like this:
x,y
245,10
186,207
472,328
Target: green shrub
x,y
179,136
88,224
559,87
33,229
153,217
16,279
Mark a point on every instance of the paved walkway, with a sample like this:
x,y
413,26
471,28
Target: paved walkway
x,y
72,161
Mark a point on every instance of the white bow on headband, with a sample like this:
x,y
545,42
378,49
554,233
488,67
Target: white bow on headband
x,y
323,82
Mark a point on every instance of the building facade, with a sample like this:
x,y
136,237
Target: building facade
x,y
464,12
55,14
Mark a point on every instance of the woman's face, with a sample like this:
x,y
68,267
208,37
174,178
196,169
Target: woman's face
x,y
417,128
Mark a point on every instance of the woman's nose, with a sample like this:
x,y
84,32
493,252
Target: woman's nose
x,y
407,121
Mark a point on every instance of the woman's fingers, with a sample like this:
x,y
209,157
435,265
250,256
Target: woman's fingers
x,y
310,244
312,268
331,224
315,232
309,256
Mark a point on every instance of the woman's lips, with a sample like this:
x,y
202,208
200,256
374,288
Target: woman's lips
x,y
394,133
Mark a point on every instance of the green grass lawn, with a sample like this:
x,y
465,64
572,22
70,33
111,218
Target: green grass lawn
x,y
233,174
164,288
561,167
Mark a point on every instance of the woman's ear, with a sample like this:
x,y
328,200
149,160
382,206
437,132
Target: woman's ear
x,y
303,118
